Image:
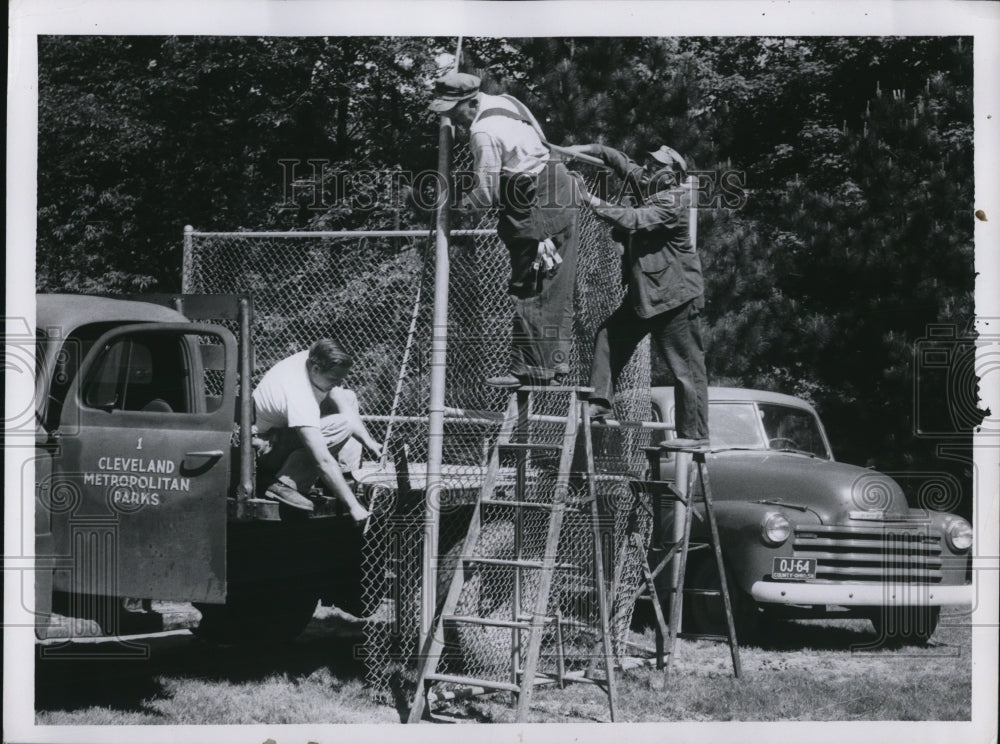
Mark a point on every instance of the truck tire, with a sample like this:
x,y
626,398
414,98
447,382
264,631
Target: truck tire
x,y
908,626
272,617
706,614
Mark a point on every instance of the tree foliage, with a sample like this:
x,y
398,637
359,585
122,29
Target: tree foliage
x,y
855,153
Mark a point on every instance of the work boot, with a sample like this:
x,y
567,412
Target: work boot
x,y
600,412
281,493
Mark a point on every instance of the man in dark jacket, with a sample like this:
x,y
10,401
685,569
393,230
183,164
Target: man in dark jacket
x,y
662,273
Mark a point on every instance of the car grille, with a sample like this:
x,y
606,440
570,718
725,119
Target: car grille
x,y
903,554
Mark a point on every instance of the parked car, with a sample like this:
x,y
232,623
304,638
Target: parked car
x,y
805,536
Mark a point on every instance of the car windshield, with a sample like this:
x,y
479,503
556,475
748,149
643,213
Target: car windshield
x,y
765,426
790,428
735,425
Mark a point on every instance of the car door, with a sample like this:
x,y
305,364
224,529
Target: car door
x,y
147,466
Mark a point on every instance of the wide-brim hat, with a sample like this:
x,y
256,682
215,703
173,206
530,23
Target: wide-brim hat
x,y
668,156
451,89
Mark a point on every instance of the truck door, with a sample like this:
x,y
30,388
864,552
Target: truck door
x,y
152,411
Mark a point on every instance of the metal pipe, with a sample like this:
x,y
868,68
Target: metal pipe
x,y
435,407
570,155
187,260
246,402
487,418
402,371
341,233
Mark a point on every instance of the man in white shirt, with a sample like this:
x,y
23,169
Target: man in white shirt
x,y
538,222
312,427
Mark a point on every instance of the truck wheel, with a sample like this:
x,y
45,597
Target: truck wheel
x,y
905,625
705,613
256,618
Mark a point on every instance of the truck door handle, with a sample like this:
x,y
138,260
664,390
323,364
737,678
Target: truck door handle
x,y
207,453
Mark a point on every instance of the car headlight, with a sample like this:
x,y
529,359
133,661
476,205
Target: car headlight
x,y
959,535
775,529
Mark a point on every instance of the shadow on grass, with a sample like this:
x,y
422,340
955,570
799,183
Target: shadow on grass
x,y
75,675
794,635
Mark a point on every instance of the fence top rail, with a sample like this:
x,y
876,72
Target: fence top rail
x,y
336,234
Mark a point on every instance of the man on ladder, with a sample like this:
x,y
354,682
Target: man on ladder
x,y
662,274
538,222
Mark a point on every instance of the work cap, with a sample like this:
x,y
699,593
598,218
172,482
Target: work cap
x,y
452,88
668,156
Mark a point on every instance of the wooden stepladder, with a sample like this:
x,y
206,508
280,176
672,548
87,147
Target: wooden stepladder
x,y
682,491
527,628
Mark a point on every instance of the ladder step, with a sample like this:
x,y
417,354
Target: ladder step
x,y
704,592
512,562
473,682
530,447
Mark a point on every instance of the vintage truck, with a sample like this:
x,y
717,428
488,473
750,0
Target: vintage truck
x,y
144,485
805,536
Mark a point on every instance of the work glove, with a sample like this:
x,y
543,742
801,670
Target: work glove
x,y
547,259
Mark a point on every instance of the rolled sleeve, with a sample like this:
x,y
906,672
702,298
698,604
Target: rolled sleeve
x,y
660,213
488,161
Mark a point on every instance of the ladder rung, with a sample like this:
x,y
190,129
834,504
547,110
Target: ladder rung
x,y
535,504
556,389
491,622
703,637
512,562
530,446
660,488
473,682
704,592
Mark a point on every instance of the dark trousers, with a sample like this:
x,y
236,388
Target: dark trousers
x,y
676,334
536,208
542,331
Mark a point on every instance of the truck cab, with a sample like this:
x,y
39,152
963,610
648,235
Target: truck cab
x,y
145,479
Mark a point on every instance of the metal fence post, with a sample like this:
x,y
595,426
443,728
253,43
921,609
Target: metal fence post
x,y
439,347
187,261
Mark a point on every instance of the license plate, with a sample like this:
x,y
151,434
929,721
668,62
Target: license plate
x,y
795,569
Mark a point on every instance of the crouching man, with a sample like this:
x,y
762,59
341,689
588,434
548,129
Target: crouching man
x,y
311,428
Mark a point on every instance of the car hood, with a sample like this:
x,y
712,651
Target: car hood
x,y
836,492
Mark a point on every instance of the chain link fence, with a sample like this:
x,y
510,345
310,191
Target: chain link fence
x,y
373,292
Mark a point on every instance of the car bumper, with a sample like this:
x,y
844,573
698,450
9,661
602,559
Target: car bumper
x,y
861,595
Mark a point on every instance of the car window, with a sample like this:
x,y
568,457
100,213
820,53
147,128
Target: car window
x,y
790,428
735,425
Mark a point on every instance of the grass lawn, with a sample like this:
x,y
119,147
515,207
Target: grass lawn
x,y
809,671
